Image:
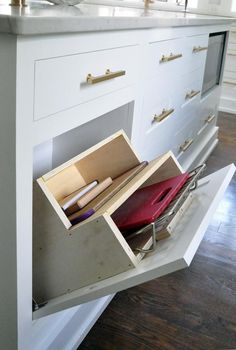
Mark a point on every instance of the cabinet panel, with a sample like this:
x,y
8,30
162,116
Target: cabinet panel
x,y
184,138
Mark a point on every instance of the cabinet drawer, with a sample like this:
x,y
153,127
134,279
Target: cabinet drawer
x,y
191,87
208,107
64,82
160,109
204,144
161,104
196,52
159,138
207,115
184,138
189,115
75,264
166,58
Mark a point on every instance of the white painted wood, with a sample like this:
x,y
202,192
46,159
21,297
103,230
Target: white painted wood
x,y
74,333
206,152
24,156
172,254
227,99
21,135
79,139
201,146
66,330
48,128
8,238
67,86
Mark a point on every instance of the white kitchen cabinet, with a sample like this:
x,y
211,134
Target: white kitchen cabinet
x,y
46,100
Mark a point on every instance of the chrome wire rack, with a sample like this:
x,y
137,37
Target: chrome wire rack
x,y
168,215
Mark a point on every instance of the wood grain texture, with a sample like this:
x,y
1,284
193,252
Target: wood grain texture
x,y
192,309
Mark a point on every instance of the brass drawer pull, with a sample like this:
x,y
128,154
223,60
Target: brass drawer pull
x,y
191,94
229,82
210,118
107,76
199,48
170,58
231,54
186,145
163,115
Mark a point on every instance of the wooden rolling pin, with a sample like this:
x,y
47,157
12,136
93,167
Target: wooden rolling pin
x,y
89,196
70,200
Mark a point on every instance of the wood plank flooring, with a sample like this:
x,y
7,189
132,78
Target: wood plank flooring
x,y
192,309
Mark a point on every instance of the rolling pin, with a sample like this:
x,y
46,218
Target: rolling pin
x,y
70,200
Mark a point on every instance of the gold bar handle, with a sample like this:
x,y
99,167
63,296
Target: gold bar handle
x,y
210,118
199,48
186,145
170,58
107,76
163,115
231,54
191,94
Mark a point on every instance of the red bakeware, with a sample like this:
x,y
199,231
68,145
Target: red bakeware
x,y
148,203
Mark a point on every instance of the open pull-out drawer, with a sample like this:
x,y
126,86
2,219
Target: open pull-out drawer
x,y
73,265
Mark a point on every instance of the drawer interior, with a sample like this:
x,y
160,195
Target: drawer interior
x,y
106,159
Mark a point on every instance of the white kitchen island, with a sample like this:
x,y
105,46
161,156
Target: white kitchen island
x,y
49,113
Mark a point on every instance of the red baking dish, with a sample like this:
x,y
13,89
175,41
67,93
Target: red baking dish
x,y
148,203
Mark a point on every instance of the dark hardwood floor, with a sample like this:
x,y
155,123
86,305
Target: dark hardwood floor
x,y
192,309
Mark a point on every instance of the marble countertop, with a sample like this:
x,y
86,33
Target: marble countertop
x,y
44,18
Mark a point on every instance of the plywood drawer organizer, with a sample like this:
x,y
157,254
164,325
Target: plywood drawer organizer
x,y
75,264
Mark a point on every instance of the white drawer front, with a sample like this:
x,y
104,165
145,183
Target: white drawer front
x,y
61,83
184,138
195,52
166,58
191,87
189,115
171,58
207,113
160,109
159,139
159,97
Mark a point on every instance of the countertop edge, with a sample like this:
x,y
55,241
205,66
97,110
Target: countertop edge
x,y
53,19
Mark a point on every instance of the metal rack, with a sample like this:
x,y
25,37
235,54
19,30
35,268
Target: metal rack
x,y
171,211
